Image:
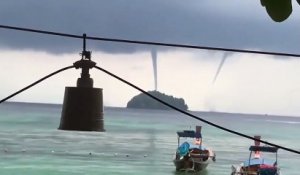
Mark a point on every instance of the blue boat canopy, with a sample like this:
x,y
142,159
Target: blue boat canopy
x,y
264,149
189,133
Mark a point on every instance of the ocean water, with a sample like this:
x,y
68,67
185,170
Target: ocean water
x,y
137,142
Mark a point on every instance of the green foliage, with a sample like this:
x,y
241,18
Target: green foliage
x,y
278,10
143,101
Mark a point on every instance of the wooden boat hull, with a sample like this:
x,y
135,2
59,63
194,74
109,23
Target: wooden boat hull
x,y
240,170
190,164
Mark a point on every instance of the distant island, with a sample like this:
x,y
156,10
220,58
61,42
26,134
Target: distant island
x,y
142,101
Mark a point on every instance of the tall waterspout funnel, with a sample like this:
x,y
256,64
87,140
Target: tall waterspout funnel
x,y
226,54
154,61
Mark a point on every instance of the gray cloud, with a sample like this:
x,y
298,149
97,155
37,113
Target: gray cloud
x,y
234,24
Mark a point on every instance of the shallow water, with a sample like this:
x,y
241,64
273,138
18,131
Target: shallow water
x,y
135,141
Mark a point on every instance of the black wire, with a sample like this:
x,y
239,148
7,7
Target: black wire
x,y
194,47
148,43
40,31
193,116
36,82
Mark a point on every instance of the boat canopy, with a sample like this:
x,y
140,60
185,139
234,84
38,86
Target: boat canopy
x,y
189,133
264,149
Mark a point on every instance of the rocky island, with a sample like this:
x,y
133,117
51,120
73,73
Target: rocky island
x,y
142,101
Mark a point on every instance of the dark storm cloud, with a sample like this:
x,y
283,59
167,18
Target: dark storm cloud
x,y
234,24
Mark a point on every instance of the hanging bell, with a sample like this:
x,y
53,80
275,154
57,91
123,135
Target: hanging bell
x,y
83,105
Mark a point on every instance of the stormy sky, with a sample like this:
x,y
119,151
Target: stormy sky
x,y
230,24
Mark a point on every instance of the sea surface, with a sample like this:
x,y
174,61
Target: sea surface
x,y
136,142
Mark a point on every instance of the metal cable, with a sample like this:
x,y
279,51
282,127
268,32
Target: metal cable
x,y
147,43
36,82
193,116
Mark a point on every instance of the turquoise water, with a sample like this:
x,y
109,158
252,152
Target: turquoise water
x,y
136,142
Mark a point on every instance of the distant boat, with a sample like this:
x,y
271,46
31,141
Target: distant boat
x,y
257,164
192,155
